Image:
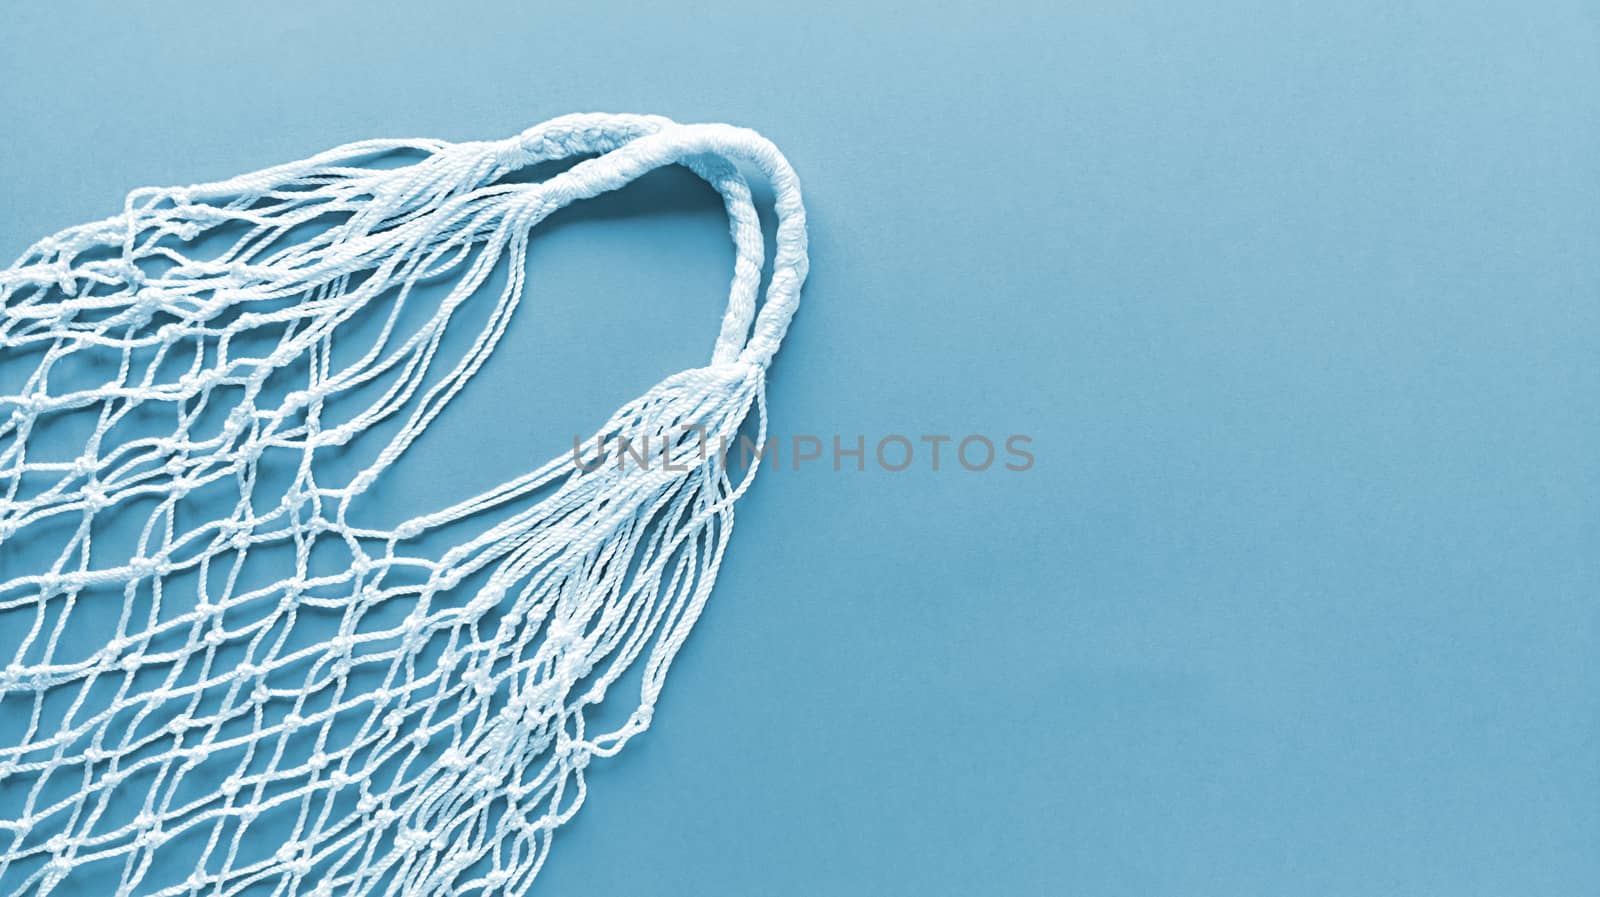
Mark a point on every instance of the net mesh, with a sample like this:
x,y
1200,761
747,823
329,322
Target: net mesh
x,y
199,394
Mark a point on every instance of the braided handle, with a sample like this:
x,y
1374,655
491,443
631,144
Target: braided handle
x,y
712,150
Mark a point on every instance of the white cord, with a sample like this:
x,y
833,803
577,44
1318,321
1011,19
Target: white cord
x,y
434,743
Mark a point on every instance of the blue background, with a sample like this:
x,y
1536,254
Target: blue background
x,y
1300,303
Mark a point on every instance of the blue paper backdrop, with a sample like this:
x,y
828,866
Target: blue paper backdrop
x,y
1298,302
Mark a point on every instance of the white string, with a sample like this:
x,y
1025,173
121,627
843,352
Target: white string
x,y
434,742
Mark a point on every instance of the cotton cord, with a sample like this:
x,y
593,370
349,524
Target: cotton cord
x,y
275,322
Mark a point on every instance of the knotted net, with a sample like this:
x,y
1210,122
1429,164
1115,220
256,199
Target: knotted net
x,y
205,386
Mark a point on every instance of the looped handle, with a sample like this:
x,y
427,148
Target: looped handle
x,y
712,150
600,133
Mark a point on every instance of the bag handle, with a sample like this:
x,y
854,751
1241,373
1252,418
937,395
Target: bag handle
x,y
712,150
